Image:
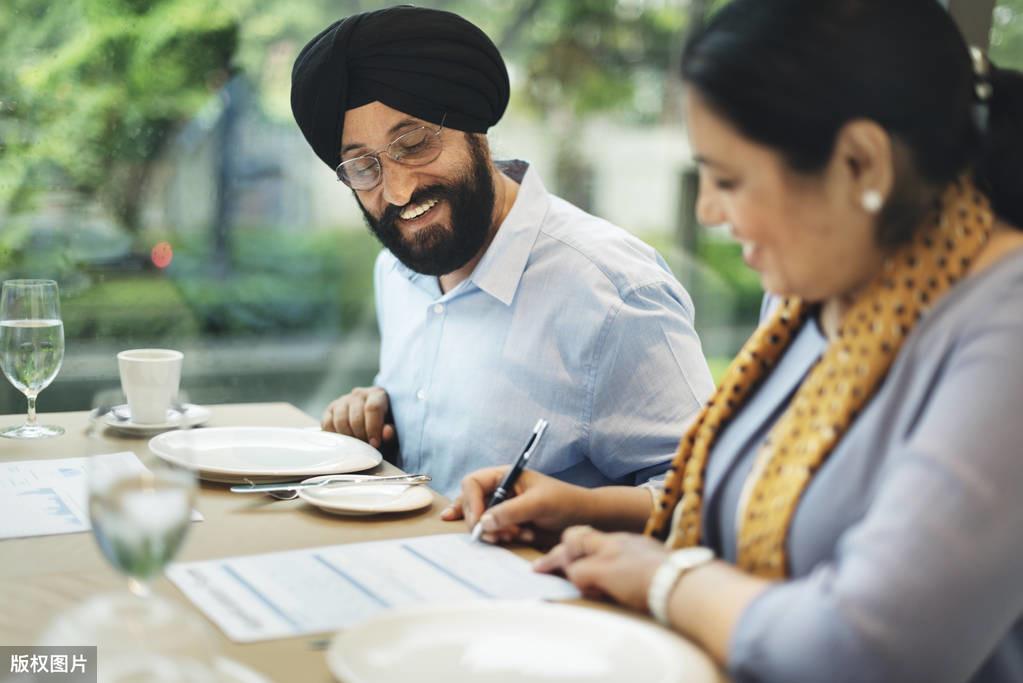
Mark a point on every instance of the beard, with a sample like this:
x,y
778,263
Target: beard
x,y
436,249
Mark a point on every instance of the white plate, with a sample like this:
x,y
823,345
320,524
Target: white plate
x,y
368,500
508,642
191,416
262,454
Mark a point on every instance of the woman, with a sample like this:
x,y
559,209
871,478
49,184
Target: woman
x,y
859,470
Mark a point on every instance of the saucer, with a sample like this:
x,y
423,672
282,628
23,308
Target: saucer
x,y
191,415
370,500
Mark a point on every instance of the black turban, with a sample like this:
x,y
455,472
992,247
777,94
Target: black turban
x,y
426,63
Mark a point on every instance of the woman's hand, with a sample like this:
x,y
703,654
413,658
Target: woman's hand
x,y
618,565
541,506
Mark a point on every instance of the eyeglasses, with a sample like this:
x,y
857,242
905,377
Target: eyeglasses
x,y
417,147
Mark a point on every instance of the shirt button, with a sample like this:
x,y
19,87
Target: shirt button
x,y
438,308
421,394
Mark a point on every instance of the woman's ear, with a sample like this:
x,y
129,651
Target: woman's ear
x,y
865,162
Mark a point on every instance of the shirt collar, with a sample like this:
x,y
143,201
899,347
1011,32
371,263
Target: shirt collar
x,y
500,270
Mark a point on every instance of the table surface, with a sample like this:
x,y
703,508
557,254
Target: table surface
x,y
42,576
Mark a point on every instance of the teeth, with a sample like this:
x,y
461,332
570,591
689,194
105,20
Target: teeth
x,y
418,210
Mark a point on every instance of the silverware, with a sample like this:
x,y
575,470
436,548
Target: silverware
x,y
332,482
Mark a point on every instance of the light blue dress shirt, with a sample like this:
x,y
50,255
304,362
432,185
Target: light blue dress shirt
x,y
566,317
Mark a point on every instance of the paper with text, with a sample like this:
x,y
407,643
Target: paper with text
x,y
294,593
46,497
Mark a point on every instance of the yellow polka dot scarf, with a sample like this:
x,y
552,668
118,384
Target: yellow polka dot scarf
x,y
870,333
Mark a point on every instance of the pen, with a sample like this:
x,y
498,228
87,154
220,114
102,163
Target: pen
x,y
504,491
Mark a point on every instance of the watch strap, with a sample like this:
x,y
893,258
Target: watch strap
x,y
669,574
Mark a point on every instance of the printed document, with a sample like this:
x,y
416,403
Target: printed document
x,y
46,497
298,592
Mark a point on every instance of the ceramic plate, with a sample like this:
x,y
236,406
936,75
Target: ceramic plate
x,y
509,642
118,418
367,500
262,454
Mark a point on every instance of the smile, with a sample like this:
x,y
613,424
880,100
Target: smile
x,y
413,212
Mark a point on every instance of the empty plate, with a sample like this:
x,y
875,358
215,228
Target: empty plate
x,y
509,642
370,499
262,454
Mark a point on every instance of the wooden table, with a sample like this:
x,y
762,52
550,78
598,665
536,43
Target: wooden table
x,y
41,576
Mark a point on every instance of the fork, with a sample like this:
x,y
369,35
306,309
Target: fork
x,y
289,491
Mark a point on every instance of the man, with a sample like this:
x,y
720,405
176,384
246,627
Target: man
x,y
498,303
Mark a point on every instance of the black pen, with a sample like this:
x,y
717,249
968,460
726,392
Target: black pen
x,y
504,491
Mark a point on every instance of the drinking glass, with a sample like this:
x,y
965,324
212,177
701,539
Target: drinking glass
x,y
140,517
31,346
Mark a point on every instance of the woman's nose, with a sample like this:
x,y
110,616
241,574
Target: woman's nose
x,y
708,207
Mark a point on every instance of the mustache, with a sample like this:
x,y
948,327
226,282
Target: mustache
x,y
393,212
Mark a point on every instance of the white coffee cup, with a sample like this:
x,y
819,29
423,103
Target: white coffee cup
x,y
150,380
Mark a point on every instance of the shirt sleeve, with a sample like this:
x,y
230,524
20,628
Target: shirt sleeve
x,y
928,584
649,377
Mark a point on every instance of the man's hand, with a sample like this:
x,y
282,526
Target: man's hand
x,y
361,413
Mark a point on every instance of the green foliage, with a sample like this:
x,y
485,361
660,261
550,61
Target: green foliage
x,y
586,54
27,251
135,308
718,366
280,282
94,88
1007,34
729,289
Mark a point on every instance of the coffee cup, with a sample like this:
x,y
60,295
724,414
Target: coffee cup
x,y
150,380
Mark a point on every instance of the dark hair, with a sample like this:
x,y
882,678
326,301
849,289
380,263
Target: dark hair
x,y
790,73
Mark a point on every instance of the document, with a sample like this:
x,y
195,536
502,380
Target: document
x,y
46,497
299,592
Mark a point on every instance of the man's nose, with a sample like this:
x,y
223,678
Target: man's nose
x,y
398,182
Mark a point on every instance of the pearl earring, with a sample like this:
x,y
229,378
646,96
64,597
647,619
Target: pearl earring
x,y
872,201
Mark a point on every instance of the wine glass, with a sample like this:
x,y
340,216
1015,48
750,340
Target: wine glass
x,y
31,346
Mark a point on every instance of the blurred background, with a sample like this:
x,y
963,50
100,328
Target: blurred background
x,y
149,163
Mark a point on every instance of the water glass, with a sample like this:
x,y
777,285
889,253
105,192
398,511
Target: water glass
x,y
31,346
140,516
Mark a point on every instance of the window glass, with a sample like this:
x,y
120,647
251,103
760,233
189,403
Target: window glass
x,y
1007,34
150,164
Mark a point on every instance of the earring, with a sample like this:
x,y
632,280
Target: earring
x,y
872,201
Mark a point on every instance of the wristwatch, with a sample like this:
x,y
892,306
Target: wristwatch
x,y
668,575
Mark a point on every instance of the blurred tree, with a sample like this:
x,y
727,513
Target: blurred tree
x,y
92,89
1007,34
575,59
